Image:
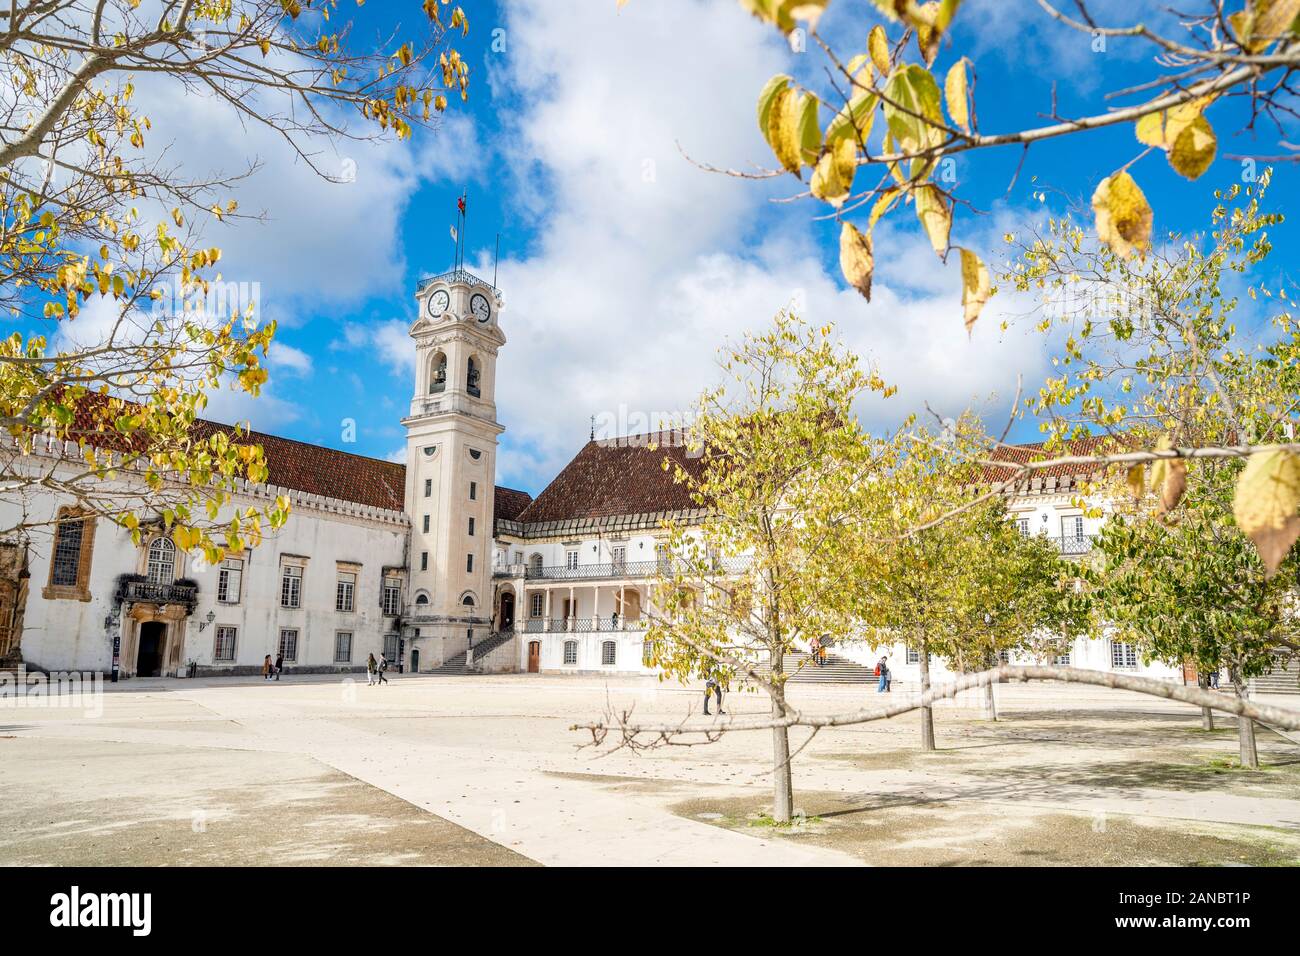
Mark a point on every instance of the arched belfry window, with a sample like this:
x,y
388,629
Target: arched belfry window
x,y
162,561
472,377
438,373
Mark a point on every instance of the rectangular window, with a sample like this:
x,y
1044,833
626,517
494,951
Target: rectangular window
x,y
390,646
608,652
343,647
392,596
471,527
1123,655
1061,660
424,560
535,606
913,656
1072,527
289,643
620,557
570,652
571,560
224,648
66,567
230,581
428,487
519,557
291,586
469,563
426,524
473,491
1022,524
346,591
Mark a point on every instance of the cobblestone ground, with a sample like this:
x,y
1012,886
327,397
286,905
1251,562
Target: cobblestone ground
x,y
486,771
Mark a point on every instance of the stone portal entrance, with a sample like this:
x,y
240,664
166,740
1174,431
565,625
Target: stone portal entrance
x,y
152,644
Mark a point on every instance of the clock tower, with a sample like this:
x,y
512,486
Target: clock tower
x,y
451,446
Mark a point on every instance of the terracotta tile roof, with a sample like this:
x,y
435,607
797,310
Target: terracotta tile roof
x,y
508,504
1093,445
620,477
318,470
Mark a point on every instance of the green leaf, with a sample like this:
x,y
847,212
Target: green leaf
x,y
774,86
912,109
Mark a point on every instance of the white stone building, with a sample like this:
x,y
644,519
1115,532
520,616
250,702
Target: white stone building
x,y
421,561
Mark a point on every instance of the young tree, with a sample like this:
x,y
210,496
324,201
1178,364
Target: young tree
x,y
92,216
1195,589
951,578
782,454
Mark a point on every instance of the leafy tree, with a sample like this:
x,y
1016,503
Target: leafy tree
x,y
1195,589
781,455
92,217
939,567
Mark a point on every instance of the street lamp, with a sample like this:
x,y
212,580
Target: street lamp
x,y
212,616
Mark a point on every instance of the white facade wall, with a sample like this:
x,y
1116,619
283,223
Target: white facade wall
x,y
78,632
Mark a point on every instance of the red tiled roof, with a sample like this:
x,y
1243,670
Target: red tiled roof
x,y
508,503
318,470
1018,454
620,477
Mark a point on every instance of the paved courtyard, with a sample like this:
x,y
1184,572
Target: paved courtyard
x,y
485,771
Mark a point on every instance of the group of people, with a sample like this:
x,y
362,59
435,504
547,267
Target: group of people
x,y
271,669
375,669
817,650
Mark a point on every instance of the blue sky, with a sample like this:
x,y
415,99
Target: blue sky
x,y
622,266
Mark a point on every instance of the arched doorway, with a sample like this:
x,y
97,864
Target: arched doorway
x,y
506,620
149,655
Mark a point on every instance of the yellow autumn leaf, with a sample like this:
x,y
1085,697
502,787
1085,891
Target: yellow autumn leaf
x,y
935,213
878,47
975,287
856,259
1194,149
783,129
1267,496
1123,214
833,177
955,91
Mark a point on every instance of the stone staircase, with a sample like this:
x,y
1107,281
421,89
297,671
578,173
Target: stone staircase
x,y
456,665
1283,680
836,670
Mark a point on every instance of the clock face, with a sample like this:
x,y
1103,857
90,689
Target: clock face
x,y
479,306
439,303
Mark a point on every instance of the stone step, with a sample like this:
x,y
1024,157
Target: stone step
x,y
456,665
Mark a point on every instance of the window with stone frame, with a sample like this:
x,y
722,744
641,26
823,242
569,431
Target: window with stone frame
x,y
570,652
608,652
74,536
343,647
291,585
223,648
161,566
392,597
230,581
346,591
1123,655
289,644
535,606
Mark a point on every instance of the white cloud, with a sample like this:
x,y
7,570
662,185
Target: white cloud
x,y
644,264
289,359
390,340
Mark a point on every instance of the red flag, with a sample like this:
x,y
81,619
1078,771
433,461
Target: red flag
x,y
460,204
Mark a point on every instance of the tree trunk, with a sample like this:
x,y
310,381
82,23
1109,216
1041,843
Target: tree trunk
x,y
927,712
990,705
1207,718
1245,728
782,783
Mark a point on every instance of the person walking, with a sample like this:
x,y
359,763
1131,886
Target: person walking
x,y
371,668
383,666
267,666
815,651
279,664
882,671
713,685
822,644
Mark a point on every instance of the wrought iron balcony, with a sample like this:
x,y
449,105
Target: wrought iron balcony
x,y
581,625
616,570
1075,544
149,592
